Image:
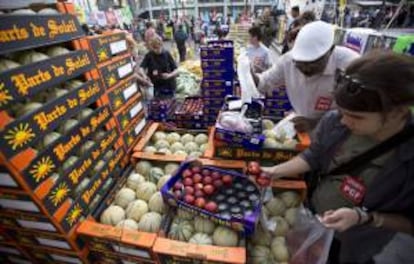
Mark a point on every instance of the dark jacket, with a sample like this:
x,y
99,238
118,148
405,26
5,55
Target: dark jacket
x,y
180,37
392,191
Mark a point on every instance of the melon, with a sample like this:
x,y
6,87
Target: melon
x,y
143,167
99,135
290,198
72,84
166,151
48,11
180,153
136,209
124,197
158,136
261,255
203,225
268,124
185,215
108,155
279,250
203,147
150,149
201,239
128,224
156,203
195,154
173,137
112,215
171,168
290,215
68,125
56,51
186,138
69,162
86,147
191,147
276,207
150,222
162,181
49,139
201,139
155,174
84,113
261,237
145,190
6,64
282,227
176,147
134,179
29,57
181,230
24,12
55,94
28,108
225,237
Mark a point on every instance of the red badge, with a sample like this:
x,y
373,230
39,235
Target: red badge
x,y
353,189
323,103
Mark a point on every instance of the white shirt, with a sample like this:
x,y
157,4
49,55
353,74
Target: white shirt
x,y
259,54
312,96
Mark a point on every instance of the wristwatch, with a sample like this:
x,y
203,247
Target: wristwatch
x,y
363,216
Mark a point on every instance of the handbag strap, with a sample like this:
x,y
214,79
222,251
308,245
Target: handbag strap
x,y
361,160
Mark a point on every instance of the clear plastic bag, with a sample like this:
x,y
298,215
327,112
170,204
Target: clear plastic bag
x,y
235,121
308,241
247,85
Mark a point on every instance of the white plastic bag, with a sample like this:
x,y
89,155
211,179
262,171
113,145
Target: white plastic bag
x,y
308,241
235,121
285,128
247,85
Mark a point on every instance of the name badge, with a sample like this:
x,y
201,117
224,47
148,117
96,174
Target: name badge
x,y
353,189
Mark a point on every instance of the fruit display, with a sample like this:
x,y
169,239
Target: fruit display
x,y
222,195
188,84
192,66
177,144
201,231
138,205
276,138
191,106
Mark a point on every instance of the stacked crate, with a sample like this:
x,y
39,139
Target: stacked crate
x,y
217,63
60,151
116,70
277,104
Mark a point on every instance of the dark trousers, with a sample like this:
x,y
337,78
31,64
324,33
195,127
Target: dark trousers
x,y
182,52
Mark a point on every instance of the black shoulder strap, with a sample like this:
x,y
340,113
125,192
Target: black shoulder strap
x,y
362,159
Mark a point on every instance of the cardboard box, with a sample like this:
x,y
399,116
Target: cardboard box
x,y
116,69
44,120
216,88
222,150
218,74
142,143
133,133
106,46
28,80
282,104
129,112
45,32
122,94
218,50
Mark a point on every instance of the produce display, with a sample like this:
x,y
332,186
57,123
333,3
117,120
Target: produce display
x,y
219,194
191,107
276,138
201,231
177,144
192,66
188,84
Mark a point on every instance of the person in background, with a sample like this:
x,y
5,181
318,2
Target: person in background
x,y
160,29
268,26
294,14
295,27
180,38
149,33
259,54
369,205
308,72
161,69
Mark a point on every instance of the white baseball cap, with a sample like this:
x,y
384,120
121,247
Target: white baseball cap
x,y
313,41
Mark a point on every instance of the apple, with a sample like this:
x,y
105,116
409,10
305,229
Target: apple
x,y
197,178
196,169
198,186
188,182
207,180
208,189
189,199
199,193
216,175
189,190
200,202
177,194
206,172
178,186
227,180
211,206
218,183
187,173
254,168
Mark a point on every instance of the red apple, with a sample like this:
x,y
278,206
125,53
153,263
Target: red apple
x,y
197,178
189,190
188,182
196,169
207,180
215,175
211,206
206,172
177,194
200,202
198,186
209,189
189,199
227,180
254,168
187,173
178,186
199,193
218,183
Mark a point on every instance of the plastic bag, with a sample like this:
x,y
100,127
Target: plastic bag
x,y
308,241
248,87
235,121
285,128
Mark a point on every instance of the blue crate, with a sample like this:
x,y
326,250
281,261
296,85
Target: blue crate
x,y
218,74
278,104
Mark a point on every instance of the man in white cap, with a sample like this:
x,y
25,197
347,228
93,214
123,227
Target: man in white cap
x,y
308,72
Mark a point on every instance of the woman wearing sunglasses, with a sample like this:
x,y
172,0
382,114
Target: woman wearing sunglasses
x,y
308,72
362,159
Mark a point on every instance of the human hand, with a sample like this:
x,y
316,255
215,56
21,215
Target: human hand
x,y
271,171
165,76
303,124
341,219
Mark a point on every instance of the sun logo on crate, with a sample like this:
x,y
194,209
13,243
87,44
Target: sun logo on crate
x,y
19,136
4,95
111,80
74,215
225,152
42,168
59,194
102,54
124,122
118,102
